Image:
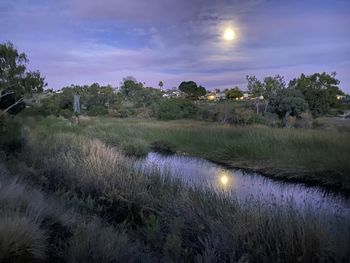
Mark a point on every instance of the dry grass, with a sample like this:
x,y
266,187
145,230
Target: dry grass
x,y
172,221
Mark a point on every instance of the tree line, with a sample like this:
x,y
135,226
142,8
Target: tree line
x,y
314,93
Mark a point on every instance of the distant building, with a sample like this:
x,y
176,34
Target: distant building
x,y
215,96
341,97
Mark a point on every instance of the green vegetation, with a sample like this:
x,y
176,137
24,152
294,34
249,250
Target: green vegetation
x,y
234,93
191,89
15,80
176,108
70,190
316,156
75,199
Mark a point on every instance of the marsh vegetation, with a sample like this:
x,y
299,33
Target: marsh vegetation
x,y
70,197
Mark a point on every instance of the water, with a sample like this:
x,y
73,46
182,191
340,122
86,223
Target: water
x,y
244,185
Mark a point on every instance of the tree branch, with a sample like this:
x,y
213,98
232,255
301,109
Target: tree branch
x,y
10,107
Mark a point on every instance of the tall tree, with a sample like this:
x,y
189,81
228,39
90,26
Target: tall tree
x,y
15,80
271,87
191,89
319,90
129,87
234,93
256,89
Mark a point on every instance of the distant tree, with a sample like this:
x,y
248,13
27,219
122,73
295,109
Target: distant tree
x,y
288,102
192,90
129,87
271,87
319,90
145,97
256,89
234,93
160,84
15,80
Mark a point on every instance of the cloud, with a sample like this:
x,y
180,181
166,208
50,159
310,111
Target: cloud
x,y
80,41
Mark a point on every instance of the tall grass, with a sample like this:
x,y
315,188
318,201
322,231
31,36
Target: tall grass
x,y
150,216
320,156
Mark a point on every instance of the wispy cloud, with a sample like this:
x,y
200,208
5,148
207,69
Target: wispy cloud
x,y
85,41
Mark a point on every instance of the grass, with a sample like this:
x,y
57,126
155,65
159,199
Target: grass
x,y
87,202
315,156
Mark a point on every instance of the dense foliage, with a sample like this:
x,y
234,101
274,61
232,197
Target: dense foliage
x,y
15,80
176,109
234,93
191,89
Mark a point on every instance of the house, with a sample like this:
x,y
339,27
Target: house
x,y
215,96
172,93
341,97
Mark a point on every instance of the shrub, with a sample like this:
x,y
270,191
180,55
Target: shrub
x,y
242,116
136,147
177,108
66,113
305,121
272,119
94,243
163,146
96,110
144,113
10,134
21,240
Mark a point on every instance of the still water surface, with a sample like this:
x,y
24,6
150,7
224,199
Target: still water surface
x,y
247,185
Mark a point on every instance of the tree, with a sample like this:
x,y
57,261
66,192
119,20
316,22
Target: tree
x,y
272,86
15,80
192,90
288,102
269,87
234,93
160,84
319,90
145,97
129,87
256,88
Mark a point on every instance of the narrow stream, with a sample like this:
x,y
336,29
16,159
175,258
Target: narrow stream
x,y
244,185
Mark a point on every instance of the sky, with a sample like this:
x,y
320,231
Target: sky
x,y
87,41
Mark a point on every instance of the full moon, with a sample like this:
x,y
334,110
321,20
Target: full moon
x,y
224,179
229,34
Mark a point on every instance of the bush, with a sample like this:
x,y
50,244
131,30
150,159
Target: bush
x,y
66,113
242,116
135,147
97,110
144,113
207,115
94,243
163,146
272,119
10,134
305,121
21,240
177,108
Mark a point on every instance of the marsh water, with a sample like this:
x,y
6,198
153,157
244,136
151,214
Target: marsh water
x,y
246,185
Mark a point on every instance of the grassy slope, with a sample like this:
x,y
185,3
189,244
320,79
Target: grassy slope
x,y
316,156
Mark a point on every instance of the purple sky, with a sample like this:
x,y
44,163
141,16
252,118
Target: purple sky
x,y
86,41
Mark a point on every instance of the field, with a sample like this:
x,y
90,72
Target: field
x,y
72,194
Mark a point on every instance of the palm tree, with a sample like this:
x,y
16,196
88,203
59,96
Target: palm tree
x,y
160,84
